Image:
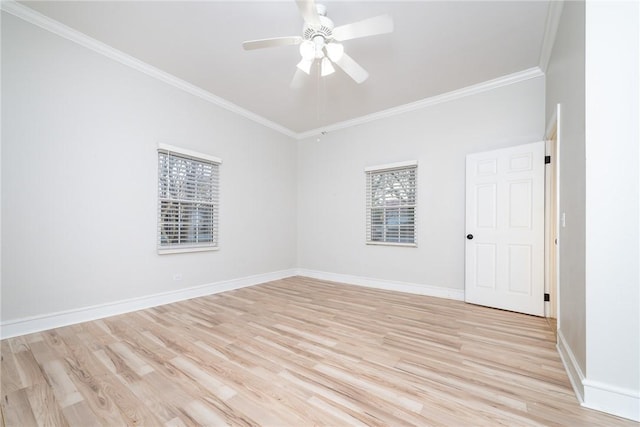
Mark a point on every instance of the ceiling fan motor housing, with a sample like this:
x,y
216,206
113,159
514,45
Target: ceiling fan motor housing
x,y
325,29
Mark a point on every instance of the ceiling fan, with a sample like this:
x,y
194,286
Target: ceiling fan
x,y
320,40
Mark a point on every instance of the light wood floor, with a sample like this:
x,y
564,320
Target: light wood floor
x,y
295,352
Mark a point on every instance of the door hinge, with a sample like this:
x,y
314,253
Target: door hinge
x,y
547,160
546,297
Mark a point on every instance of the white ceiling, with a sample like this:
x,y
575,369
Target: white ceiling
x,y
437,47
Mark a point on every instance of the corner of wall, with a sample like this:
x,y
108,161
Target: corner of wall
x,y
550,30
594,394
571,366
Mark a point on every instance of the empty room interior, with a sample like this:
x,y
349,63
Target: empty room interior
x,y
296,213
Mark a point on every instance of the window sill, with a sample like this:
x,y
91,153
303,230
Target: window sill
x,y
406,245
167,251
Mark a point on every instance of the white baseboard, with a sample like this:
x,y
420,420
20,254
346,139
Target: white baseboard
x,y
28,325
390,285
574,372
612,400
596,395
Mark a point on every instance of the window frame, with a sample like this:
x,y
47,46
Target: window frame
x,y
214,201
387,169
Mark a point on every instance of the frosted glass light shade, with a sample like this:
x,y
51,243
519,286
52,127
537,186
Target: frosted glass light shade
x,y
326,67
307,50
305,65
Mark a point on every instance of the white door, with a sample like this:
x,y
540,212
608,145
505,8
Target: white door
x,y
505,229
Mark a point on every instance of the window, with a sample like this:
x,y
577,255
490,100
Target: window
x,y
187,200
391,204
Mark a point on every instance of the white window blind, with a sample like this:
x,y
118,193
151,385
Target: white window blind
x,y
188,190
391,204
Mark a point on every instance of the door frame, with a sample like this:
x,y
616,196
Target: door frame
x,y
552,216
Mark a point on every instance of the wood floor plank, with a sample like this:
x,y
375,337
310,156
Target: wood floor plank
x,y
16,408
295,352
63,387
9,372
80,414
44,406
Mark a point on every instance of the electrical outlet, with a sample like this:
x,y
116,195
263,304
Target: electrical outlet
x,y
177,277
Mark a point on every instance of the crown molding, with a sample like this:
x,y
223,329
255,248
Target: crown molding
x,y
550,30
520,76
27,14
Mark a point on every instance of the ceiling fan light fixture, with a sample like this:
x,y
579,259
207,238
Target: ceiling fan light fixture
x,y
321,40
335,51
305,65
307,50
319,43
326,68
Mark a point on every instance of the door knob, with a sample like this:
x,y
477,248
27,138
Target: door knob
x,y
469,236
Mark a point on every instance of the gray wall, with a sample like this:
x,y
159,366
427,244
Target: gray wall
x,y
331,190
565,85
79,142
79,180
594,74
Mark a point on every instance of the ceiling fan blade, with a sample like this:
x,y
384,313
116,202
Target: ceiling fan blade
x,y
309,12
274,42
367,27
352,68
